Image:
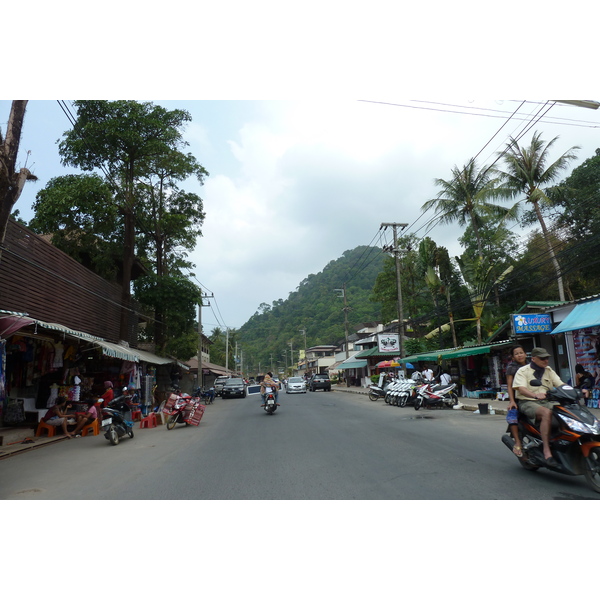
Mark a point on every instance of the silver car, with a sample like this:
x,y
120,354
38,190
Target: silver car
x,y
295,385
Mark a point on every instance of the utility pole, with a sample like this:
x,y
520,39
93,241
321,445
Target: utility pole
x,y
396,252
291,345
227,350
235,357
303,331
200,374
345,309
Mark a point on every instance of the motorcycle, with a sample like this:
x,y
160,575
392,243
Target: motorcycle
x,y
428,395
270,402
574,438
114,422
183,408
207,396
401,392
376,392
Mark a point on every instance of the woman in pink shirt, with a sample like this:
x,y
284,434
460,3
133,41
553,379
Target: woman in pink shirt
x,y
88,418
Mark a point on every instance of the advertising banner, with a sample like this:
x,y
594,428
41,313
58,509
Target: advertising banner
x,y
587,350
525,324
388,342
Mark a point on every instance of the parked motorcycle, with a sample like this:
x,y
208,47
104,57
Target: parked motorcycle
x,y
402,392
183,408
115,422
574,438
376,392
207,396
429,396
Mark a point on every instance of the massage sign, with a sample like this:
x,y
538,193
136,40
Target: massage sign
x,y
524,324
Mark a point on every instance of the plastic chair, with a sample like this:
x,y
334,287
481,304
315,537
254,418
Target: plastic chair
x,y
148,422
43,426
93,426
136,415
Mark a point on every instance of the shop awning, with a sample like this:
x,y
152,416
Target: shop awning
x,y
117,351
582,316
353,364
12,321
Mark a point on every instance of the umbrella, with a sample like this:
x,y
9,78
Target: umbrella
x,y
384,364
410,366
395,364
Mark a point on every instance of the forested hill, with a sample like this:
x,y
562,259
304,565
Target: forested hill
x,y
316,307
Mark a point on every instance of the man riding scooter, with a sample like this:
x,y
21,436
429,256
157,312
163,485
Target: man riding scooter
x,y
268,382
532,399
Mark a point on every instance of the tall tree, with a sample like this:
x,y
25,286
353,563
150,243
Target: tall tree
x,y
121,138
467,198
12,180
528,171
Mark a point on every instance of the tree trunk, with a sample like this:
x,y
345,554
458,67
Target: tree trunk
x,y
11,182
559,280
128,255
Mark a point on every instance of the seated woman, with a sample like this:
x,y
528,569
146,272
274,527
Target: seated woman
x,y
57,415
87,418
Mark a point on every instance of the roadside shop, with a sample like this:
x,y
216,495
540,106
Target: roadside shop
x,y
40,361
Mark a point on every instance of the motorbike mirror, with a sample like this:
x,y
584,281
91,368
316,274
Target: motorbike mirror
x,y
535,383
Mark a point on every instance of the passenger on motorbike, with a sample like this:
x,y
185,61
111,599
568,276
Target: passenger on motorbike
x,y
532,399
268,382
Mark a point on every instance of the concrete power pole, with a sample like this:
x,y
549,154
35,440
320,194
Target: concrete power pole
x,y
200,374
396,252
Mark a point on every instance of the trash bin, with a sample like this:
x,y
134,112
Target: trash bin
x,y
483,409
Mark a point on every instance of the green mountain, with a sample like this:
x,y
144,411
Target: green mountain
x,y
315,307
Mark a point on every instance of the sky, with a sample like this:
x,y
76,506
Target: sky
x,y
295,183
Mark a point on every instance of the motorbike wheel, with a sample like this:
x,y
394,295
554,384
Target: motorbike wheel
x,y
113,436
171,422
592,475
372,396
130,433
418,403
403,400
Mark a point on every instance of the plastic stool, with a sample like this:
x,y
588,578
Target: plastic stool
x,y
43,426
136,415
94,426
148,422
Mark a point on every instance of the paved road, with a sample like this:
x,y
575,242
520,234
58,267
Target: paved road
x,y
319,445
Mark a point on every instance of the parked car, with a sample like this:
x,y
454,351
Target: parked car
x,y
235,386
320,381
219,383
295,385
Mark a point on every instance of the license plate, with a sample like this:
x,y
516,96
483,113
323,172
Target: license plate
x,y
106,422
271,402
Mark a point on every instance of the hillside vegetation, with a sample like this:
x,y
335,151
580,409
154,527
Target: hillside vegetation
x,y
315,307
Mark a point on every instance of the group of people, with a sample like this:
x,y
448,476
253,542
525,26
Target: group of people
x,y
531,399
58,415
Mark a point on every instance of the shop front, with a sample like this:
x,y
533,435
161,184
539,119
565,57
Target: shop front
x,y
41,361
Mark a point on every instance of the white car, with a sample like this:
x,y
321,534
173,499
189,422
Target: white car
x,y
296,385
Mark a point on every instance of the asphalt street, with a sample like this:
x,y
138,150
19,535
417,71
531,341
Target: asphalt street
x,y
318,446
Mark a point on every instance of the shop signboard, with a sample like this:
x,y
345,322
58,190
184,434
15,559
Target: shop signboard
x,y
388,342
528,324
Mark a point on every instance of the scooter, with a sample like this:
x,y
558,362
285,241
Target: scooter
x,y
376,392
207,396
429,396
183,409
114,423
270,402
574,438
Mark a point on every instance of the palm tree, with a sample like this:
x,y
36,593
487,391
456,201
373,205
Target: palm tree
x,y
479,281
527,171
466,198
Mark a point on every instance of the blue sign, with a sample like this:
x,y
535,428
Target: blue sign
x,y
531,323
